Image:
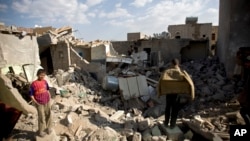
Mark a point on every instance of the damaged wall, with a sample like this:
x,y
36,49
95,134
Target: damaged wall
x,y
234,31
122,46
60,56
196,50
169,48
10,96
25,49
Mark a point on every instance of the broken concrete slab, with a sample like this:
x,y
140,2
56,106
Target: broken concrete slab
x,y
175,133
146,135
51,137
137,137
156,131
144,124
10,96
133,87
117,115
104,134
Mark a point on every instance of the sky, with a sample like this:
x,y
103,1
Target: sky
x,y
107,19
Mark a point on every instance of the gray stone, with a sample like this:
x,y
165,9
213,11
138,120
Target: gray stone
x,y
130,124
218,96
155,138
144,124
218,76
206,91
146,136
117,115
156,131
175,133
123,138
55,107
228,87
137,137
154,111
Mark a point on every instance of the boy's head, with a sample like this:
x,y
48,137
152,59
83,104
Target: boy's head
x,y
41,74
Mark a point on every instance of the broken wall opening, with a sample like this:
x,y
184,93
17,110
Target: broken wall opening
x,y
196,50
46,61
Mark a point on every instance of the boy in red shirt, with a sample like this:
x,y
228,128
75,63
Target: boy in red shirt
x,y
39,92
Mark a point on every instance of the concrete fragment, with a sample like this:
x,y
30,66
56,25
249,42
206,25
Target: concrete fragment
x,y
117,115
123,138
10,96
175,133
228,87
104,134
137,137
50,137
55,107
145,124
101,117
127,132
155,138
155,111
146,136
156,131
130,124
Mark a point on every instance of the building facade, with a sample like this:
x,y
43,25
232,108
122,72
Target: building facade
x,y
195,31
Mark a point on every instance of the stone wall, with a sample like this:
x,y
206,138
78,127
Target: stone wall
x,y
60,56
122,46
169,48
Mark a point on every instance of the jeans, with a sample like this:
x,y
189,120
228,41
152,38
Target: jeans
x,y
245,113
172,109
44,117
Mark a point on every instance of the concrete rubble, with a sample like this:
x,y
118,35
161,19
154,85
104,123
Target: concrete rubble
x,y
125,106
82,110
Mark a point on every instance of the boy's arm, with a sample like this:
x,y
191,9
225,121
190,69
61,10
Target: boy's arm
x,y
32,95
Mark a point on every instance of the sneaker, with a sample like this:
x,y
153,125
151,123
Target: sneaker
x,y
165,123
172,126
42,134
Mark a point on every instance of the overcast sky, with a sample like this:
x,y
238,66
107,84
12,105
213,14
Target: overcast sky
x,y
107,19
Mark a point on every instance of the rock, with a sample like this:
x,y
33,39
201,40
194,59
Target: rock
x,y
145,124
101,117
146,136
70,118
117,115
123,138
219,95
137,137
127,132
228,87
55,107
206,90
156,131
154,111
155,138
130,124
104,134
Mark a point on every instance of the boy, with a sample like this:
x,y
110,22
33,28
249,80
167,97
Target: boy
x,y
39,93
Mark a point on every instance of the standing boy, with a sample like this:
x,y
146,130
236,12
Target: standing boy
x,y
39,92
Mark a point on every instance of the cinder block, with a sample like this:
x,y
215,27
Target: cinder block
x,y
175,134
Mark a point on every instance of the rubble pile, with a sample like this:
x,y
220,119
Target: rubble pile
x,y
82,110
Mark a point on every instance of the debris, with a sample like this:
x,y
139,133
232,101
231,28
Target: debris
x,y
117,115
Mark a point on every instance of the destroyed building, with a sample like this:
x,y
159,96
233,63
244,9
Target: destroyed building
x,y
99,94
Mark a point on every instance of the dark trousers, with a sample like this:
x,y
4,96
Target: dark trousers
x,y
172,109
245,113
